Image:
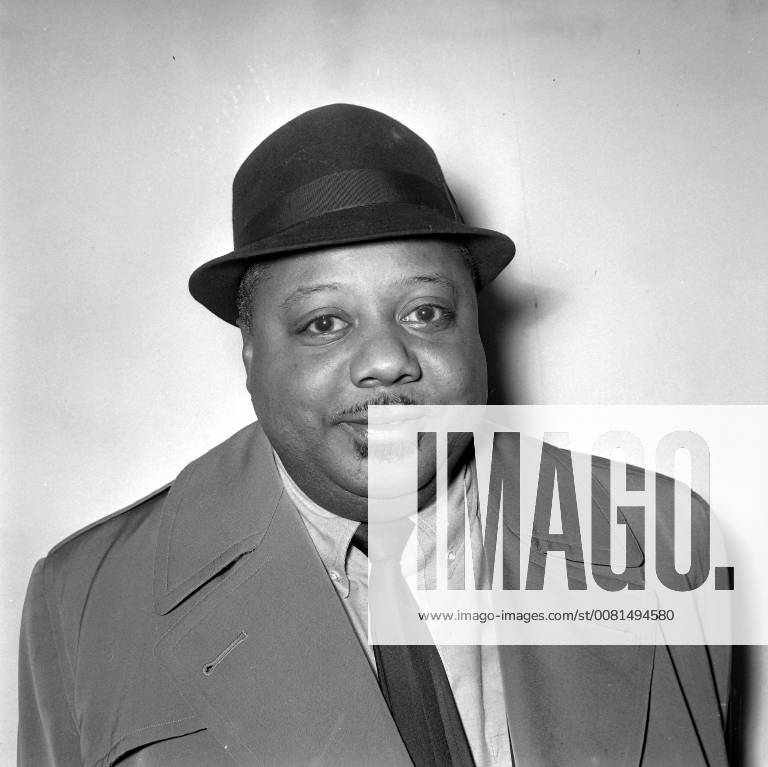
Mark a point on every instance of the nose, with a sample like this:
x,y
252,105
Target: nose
x,y
384,358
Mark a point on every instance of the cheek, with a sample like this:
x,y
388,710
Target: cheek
x,y
459,373
293,393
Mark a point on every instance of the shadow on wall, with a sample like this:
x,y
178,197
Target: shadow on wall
x,y
508,313
501,316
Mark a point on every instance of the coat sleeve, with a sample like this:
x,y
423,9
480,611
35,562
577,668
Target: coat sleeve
x,y
48,734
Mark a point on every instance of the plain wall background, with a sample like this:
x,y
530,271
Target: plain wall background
x,y
621,144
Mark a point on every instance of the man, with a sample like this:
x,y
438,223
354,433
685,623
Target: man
x,y
221,620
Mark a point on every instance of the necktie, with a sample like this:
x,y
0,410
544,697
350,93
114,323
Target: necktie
x,y
414,684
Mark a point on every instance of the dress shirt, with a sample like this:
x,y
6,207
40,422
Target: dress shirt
x,y
474,671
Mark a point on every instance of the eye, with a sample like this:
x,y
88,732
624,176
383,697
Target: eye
x,y
325,325
428,315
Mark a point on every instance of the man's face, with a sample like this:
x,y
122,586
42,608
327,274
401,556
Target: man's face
x,y
337,329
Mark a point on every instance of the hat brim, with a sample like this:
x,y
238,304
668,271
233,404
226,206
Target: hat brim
x,y
215,284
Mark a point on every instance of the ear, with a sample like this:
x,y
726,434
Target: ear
x,y
247,355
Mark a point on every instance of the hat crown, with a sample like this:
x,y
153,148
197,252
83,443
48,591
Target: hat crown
x,y
338,175
321,142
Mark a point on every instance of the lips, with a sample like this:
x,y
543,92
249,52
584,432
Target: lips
x,y
401,415
404,414
392,428
358,430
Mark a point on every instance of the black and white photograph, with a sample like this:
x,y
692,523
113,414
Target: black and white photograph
x,y
232,232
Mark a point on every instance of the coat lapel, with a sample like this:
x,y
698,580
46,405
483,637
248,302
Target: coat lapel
x,y
263,649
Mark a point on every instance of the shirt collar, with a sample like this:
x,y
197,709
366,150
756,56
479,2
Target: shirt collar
x,y
330,532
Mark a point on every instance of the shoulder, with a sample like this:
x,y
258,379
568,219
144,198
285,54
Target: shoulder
x,y
119,549
131,533
663,502
653,498
122,539
125,520
639,479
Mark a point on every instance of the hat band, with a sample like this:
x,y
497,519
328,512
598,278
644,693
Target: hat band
x,y
343,191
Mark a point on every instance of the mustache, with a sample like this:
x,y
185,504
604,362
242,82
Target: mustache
x,y
361,408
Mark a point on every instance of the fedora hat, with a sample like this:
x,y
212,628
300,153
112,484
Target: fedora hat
x,y
337,175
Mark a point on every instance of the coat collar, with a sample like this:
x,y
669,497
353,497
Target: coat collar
x,y
218,509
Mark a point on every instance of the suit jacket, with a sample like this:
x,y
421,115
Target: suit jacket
x,y
199,627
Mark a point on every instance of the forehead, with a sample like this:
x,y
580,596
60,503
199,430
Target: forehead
x,y
373,266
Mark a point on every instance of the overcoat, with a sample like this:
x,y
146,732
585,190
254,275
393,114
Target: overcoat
x,y
199,627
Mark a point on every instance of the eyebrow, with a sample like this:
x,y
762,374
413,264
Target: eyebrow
x,y
309,290
430,278
433,278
